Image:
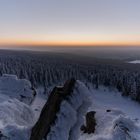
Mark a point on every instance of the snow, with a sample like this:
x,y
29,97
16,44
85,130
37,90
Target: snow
x,y
112,125
16,116
122,123
134,62
38,102
71,114
16,88
15,119
125,128
107,99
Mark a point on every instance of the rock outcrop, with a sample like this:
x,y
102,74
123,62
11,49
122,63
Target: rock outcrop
x,y
20,89
90,123
51,108
16,115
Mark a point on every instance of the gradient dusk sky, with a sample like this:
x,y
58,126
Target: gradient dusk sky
x,y
70,22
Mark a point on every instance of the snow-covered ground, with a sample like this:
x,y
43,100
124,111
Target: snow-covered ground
x,y
17,117
39,102
134,62
13,87
122,123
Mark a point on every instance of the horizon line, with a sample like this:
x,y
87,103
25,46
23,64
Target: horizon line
x,y
68,43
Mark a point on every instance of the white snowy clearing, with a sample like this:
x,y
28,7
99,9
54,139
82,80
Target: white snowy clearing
x,y
122,123
134,62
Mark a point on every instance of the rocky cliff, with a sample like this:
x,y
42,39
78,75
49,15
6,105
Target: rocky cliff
x,y
50,109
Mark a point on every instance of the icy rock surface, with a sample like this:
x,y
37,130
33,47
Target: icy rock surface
x,y
13,87
16,116
70,117
15,120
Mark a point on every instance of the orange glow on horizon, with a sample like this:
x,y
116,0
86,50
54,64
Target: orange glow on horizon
x,y
67,43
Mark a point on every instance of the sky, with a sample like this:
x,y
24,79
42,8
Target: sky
x,y
70,22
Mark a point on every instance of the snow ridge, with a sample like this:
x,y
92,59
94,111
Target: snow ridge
x,y
70,117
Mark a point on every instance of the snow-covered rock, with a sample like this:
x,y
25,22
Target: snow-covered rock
x,y
125,129
20,89
117,118
16,116
15,119
71,114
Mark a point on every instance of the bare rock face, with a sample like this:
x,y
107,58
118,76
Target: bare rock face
x,y
50,109
90,123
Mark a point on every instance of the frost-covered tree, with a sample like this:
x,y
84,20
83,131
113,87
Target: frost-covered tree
x,y
49,70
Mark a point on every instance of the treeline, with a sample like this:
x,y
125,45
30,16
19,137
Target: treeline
x,y
50,70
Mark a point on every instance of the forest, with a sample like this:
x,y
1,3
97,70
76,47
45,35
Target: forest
x,y
49,69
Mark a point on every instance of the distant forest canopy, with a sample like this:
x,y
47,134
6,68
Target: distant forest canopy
x,y
49,69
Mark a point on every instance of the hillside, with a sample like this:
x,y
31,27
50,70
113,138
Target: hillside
x,y
116,117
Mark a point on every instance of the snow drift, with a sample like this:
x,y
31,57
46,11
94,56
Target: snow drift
x,y
20,89
16,117
15,120
117,117
114,126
